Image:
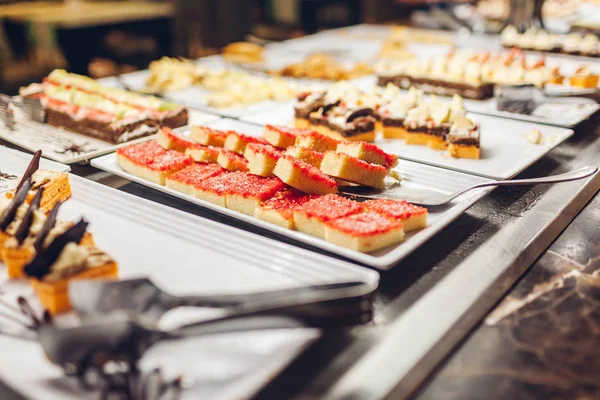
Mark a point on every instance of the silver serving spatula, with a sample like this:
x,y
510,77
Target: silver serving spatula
x,y
431,198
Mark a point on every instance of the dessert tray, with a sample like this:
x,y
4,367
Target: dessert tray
x,y
505,152
414,175
182,254
14,163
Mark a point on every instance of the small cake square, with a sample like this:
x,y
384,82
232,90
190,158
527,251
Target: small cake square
x,y
279,209
203,154
305,154
148,160
368,152
249,191
311,217
316,141
207,136
352,169
303,176
261,158
281,136
214,189
414,217
56,188
364,232
237,142
187,179
172,141
232,161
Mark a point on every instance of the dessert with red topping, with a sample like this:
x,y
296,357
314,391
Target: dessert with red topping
x,y
172,141
365,232
352,169
187,179
203,154
316,141
232,161
311,217
281,136
150,161
237,142
305,154
303,176
414,217
213,189
279,209
249,191
261,158
207,136
368,152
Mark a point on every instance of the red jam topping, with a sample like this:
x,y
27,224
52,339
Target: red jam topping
x,y
311,172
152,156
365,224
401,209
247,138
288,131
265,149
358,163
390,159
305,154
233,160
214,136
287,201
197,173
177,139
248,185
331,206
314,136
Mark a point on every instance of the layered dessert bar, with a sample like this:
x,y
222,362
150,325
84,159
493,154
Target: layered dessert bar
x,y
412,216
368,152
281,136
584,78
261,158
365,232
64,260
232,161
237,142
352,169
343,123
463,139
207,136
164,112
279,209
303,176
308,102
172,141
203,154
312,216
249,191
305,154
12,214
393,113
316,141
55,184
574,43
189,178
150,161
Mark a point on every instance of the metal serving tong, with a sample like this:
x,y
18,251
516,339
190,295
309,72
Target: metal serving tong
x,y
335,303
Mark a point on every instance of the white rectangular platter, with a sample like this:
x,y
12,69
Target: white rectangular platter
x,y
504,150
183,254
13,164
69,147
413,174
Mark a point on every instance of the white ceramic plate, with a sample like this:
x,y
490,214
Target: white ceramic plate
x,y
69,147
184,254
414,175
13,164
504,150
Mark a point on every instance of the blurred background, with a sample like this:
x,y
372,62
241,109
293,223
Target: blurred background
x,y
104,38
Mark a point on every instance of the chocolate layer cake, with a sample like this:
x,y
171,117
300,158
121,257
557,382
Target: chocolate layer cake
x,y
446,88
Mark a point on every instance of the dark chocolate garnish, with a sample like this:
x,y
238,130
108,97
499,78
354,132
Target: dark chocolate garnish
x,y
27,220
46,228
323,110
10,213
41,264
33,166
361,112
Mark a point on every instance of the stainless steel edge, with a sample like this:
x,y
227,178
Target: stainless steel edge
x,y
435,323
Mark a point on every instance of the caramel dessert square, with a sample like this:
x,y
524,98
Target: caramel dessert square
x,y
365,232
303,176
311,217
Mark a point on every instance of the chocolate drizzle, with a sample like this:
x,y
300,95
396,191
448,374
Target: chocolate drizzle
x,y
27,220
46,228
42,263
10,213
323,110
361,112
33,166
